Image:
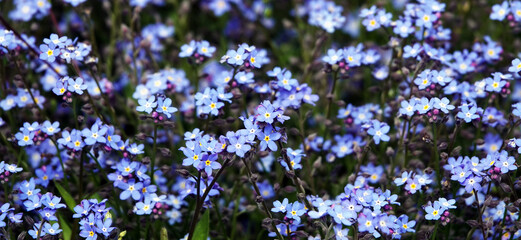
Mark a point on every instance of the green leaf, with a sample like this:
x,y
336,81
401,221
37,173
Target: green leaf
x,y
67,233
69,201
202,229
164,234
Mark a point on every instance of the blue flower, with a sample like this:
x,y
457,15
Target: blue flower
x,y
37,231
76,141
267,138
256,59
495,84
223,96
52,229
379,130
89,232
448,204
76,86
145,207
403,179
196,133
366,222
280,206
27,189
424,105
51,202
516,66
295,211
433,212
506,163
515,8
425,19
60,88
33,202
147,105
379,201
403,28
413,51
423,80
371,23
135,149
352,56
236,57
499,12
31,127
131,188
266,113
104,227
238,146
516,111
49,52
266,190
188,49
24,138
333,57
192,153
251,129
405,225
473,183
440,77
443,105
56,40
94,134
341,215
412,186
467,114
219,7
50,129
408,107
208,163
164,106
285,81
205,49
212,106
244,78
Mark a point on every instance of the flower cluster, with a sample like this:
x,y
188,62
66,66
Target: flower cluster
x,y
311,119
324,14
95,218
44,205
65,48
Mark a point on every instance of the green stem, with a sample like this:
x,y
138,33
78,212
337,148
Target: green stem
x,y
480,216
330,98
435,230
154,150
436,155
263,203
205,194
113,34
